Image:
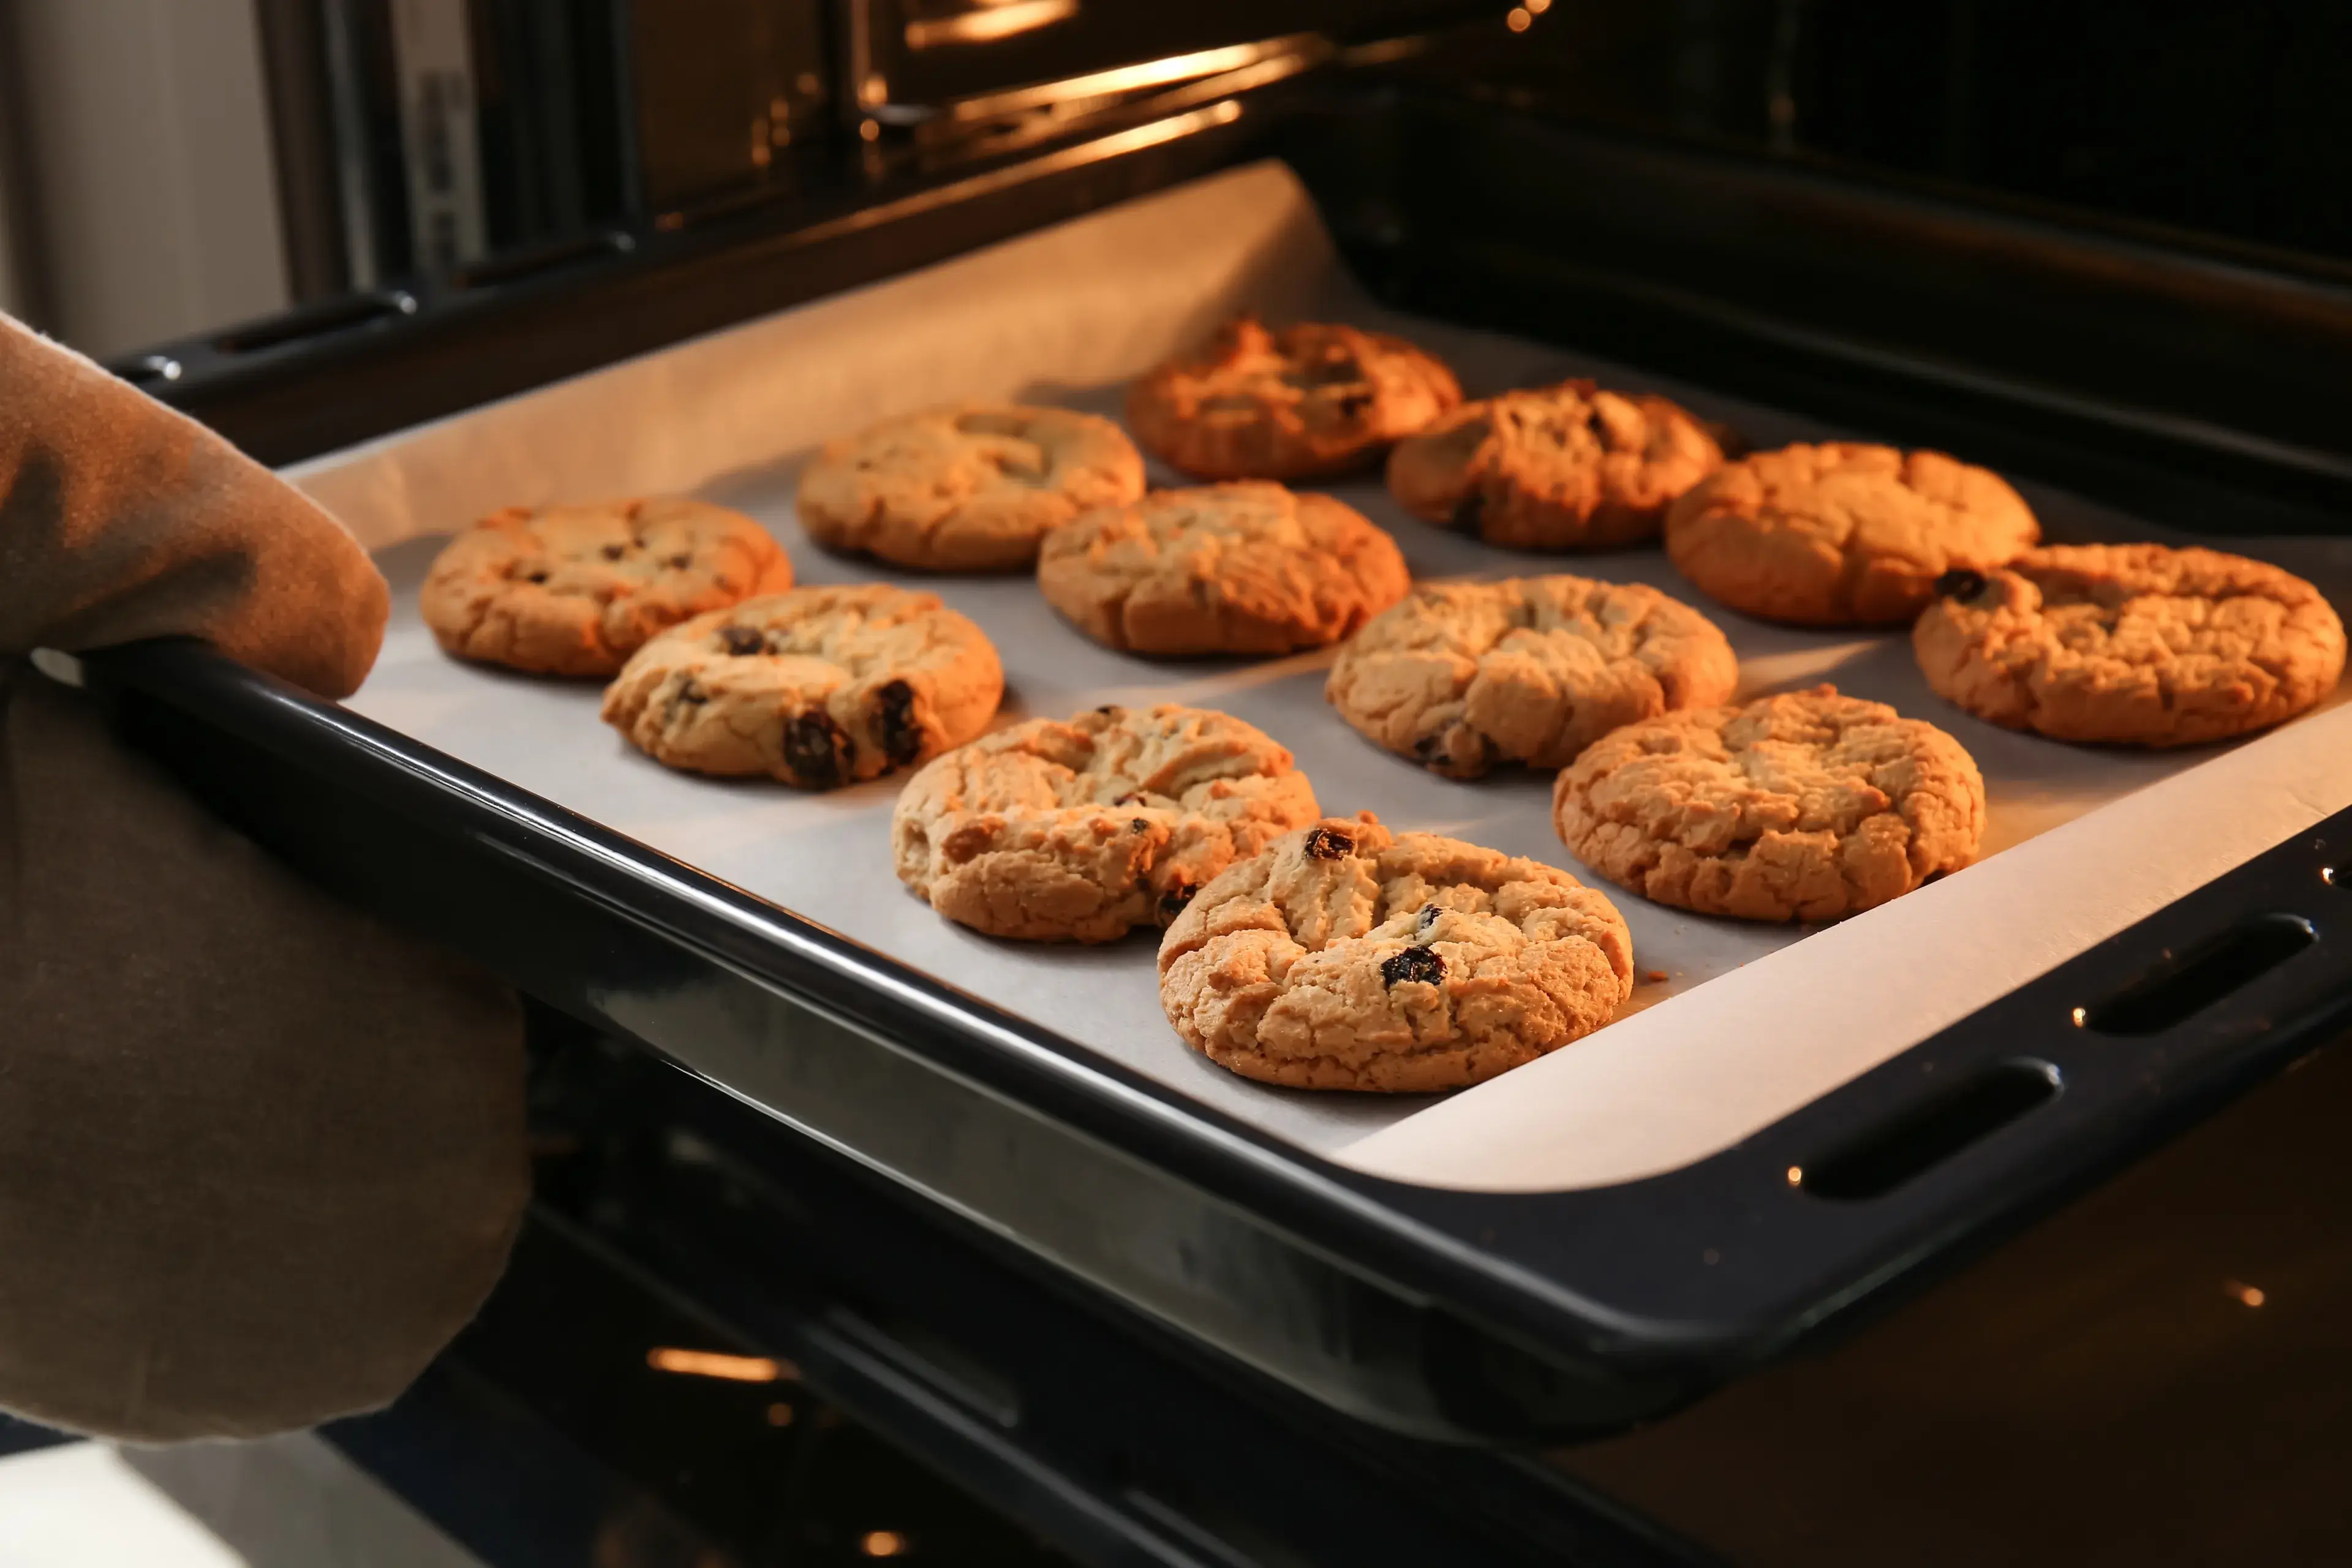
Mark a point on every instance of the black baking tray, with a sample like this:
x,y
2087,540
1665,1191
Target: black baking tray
x,y
1446,1314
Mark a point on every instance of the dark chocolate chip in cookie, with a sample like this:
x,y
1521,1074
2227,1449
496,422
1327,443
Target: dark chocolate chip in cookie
x,y
1414,963
1334,369
815,750
615,551
689,694
1172,901
743,641
1322,844
1429,917
1138,825
894,721
1960,583
538,576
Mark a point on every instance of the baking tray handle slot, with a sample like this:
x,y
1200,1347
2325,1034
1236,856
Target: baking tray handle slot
x,y
2178,988
1927,1135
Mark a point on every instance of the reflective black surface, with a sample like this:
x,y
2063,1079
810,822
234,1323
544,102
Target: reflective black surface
x,y
883,1361
2223,124
2157,1375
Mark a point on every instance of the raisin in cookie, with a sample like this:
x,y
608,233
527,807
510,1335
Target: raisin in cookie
x,y
1300,402
1571,467
1461,676
1807,805
1843,534
967,489
1081,831
1347,957
819,687
1241,568
2136,644
575,590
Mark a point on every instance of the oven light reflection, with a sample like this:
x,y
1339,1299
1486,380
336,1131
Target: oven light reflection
x,y
1796,1175
882,1543
1518,19
2250,1295
718,1364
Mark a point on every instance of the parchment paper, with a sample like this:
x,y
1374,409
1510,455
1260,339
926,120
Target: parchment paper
x,y
1749,1022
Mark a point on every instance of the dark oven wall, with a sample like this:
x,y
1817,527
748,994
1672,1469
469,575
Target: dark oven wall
x,y
2224,125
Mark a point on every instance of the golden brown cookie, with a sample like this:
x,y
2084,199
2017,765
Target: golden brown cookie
x,y
819,687
1300,402
1808,805
575,590
1843,534
969,488
1461,676
1241,568
1347,957
1570,466
2136,644
1081,831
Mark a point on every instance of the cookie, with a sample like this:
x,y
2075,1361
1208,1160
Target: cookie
x,y
1082,831
970,488
1571,467
1239,568
1843,534
575,590
819,687
1301,402
2134,644
1462,676
1804,806
1348,957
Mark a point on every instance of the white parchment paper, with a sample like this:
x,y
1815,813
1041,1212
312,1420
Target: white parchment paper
x,y
1748,1023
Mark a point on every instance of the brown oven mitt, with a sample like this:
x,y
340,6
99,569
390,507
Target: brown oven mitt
x,y
260,1156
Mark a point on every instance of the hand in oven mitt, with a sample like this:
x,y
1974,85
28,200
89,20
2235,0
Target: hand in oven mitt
x,y
260,1156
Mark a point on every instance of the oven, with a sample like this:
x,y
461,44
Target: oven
x,y
2019,1241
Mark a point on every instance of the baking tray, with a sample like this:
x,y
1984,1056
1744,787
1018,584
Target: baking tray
x,y
1576,1244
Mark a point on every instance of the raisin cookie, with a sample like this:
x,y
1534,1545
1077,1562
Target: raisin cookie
x,y
1300,402
1240,568
1081,831
1461,676
1348,957
1804,806
2136,644
967,489
1571,467
575,590
819,687
1843,534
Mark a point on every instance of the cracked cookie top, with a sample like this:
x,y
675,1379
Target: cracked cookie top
x,y
575,590
1570,467
1841,533
2133,644
1081,831
1297,402
1249,568
819,688
1345,956
969,488
1461,676
1806,806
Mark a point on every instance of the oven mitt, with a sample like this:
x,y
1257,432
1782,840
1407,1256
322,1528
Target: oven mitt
x,y
260,1156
